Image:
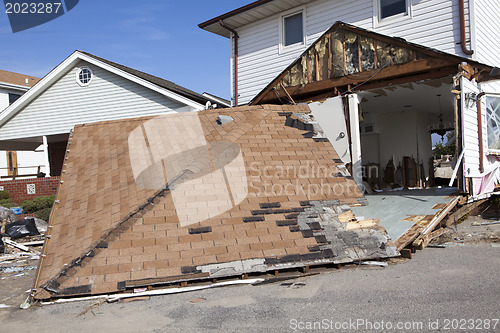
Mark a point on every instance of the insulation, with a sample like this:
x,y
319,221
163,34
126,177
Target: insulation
x,y
351,53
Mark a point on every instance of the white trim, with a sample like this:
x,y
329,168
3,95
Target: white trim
x,y
472,28
46,155
377,21
281,26
6,85
71,61
77,76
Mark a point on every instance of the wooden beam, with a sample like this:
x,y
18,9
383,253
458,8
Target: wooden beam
x,y
398,74
287,94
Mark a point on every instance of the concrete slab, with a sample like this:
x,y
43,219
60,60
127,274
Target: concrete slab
x,y
394,207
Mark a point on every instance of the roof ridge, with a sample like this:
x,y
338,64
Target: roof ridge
x,y
152,78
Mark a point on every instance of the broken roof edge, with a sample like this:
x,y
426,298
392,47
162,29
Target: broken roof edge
x,y
62,68
352,28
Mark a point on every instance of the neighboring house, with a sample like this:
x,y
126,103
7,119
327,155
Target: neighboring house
x,y
12,163
402,69
84,89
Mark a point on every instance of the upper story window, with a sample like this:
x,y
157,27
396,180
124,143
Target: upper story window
x,y
84,76
388,8
292,30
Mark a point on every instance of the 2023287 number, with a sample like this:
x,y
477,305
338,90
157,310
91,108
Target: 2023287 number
x,y
32,8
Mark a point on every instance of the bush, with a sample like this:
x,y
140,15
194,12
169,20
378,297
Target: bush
x,y
38,203
4,195
7,203
44,214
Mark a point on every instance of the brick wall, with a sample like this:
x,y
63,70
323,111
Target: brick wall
x,y
18,189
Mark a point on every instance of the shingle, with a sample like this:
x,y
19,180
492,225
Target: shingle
x,y
130,228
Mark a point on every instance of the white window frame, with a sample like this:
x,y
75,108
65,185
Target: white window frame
x,y
490,151
379,21
281,28
77,76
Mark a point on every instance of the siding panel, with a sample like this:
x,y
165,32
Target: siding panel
x,y
66,104
434,24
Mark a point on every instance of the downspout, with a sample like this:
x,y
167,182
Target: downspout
x,y
463,42
480,130
235,35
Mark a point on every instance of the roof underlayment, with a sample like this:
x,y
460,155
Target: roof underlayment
x,y
183,197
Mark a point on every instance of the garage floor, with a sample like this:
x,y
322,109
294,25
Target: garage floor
x,y
398,211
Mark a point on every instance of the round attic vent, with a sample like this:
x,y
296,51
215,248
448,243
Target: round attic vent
x,y
84,76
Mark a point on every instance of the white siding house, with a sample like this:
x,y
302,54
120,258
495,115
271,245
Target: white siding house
x,y
84,89
431,23
12,86
312,50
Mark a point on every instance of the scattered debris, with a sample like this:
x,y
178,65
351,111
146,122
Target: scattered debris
x,y
116,297
2,306
13,269
374,263
91,307
197,300
484,223
20,229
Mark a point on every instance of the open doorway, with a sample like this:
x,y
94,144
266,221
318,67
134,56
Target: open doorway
x,y
399,129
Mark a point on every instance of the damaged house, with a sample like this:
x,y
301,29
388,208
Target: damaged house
x,y
254,189
380,77
277,184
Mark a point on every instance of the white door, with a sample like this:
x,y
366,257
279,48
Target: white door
x,y
330,116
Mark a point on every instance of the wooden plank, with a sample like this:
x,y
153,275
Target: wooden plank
x,y
462,211
347,217
426,239
390,72
14,244
363,224
405,253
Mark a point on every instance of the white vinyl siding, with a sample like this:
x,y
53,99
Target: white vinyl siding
x,y
434,23
470,138
64,104
487,20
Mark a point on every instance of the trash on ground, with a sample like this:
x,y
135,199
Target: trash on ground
x,y
374,263
19,229
15,269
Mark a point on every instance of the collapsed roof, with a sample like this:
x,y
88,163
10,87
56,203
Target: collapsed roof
x,y
192,196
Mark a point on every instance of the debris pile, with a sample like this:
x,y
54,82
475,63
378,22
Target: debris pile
x,y
19,256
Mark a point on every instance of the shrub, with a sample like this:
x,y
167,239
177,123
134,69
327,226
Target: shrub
x,y
7,203
38,203
44,214
4,195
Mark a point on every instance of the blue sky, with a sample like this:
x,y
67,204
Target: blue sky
x,y
159,37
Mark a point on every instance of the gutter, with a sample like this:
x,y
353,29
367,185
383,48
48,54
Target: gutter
x,y
480,130
236,37
463,42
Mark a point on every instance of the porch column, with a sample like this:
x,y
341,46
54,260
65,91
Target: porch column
x,y
357,172
46,150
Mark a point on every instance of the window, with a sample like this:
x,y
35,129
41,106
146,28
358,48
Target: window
x,y
293,29
389,8
84,76
13,98
493,122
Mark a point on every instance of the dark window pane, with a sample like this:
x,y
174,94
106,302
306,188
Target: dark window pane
x,y
13,98
293,29
392,7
